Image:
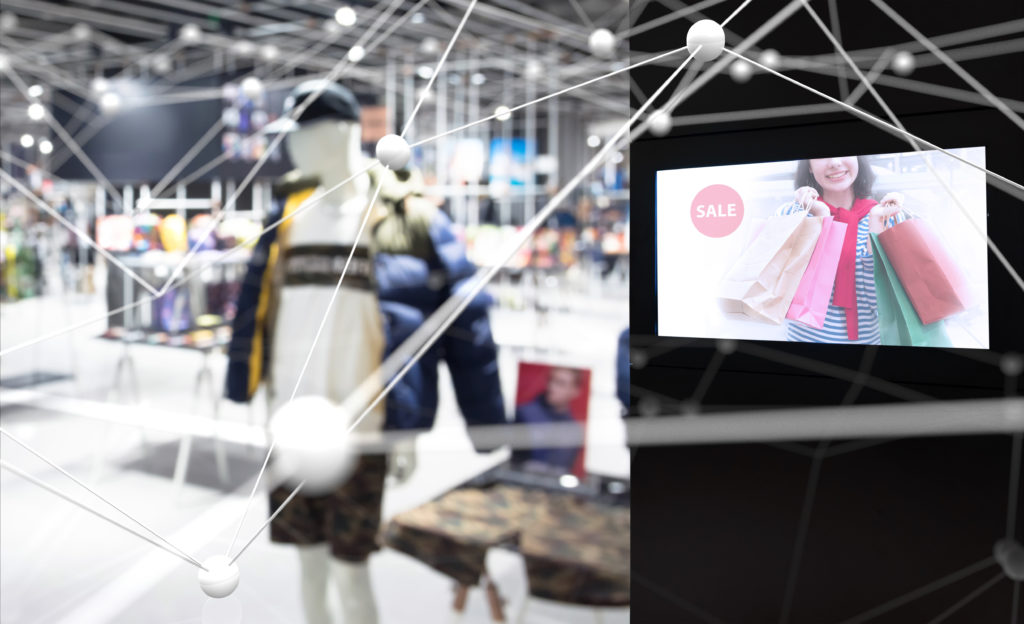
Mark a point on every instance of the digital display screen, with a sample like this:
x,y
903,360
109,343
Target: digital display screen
x,y
885,249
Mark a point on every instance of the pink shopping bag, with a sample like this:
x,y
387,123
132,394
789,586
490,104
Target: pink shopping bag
x,y
810,304
933,281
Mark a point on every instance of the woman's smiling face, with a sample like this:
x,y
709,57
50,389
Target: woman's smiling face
x,y
835,175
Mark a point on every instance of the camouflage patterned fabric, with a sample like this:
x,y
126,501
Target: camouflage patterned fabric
x,y
348,518
576,551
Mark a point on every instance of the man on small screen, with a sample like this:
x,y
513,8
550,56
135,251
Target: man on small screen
x,y
564,386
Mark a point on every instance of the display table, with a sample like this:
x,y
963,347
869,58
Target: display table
x,y
576,547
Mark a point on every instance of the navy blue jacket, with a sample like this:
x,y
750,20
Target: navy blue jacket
x,y
409,289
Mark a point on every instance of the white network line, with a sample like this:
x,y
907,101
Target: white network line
x,y
24,475
953,65
309,203
83,236
1005,184
552,204
337,288
67,474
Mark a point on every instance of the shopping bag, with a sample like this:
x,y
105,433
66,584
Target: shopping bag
x,y
810,303
762,283
933,282
897,318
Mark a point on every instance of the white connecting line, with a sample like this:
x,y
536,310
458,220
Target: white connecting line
x,y
323,321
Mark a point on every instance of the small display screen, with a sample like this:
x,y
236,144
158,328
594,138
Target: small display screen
x,y
885,249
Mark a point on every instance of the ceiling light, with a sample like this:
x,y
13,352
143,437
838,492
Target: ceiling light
x,y
190,33
45,146
35,91
502,113
593,140
425,72
269,52
357,53
417,18
27,141
99,84
478,79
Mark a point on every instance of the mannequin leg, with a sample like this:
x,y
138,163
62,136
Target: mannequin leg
x,y
353,583
313,560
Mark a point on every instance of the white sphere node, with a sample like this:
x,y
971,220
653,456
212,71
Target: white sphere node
x,y
81,31
602,43
356,53
1010,556
393,151
36,111
661,123
220,578
709,36
346,16
430,46
8,21
269,52
741,71
27,140
533,69
99,84
1012,364
190,33
252,87
110,102
45,146
161,64
503,113
903,63
311,441
771,58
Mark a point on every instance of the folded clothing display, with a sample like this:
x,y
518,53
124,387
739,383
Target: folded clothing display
x,y
576,551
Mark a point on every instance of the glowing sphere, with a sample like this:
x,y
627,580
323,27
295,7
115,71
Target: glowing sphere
x,y
252,87
502,113
771,58
161,64
36,111
661,123
1010,556
8,21
110,102
312,443
533,69
190,33
903,63
269,52
356,53
81,31
220,578
593,140
27,140
45,147
709,36
36,91
244,47
741,71
602,43
1012,364
346,16
430,46
393,152
99,84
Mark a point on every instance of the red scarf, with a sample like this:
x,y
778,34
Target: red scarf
x,y
846,277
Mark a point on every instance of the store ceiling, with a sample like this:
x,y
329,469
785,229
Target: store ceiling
x,y
47,44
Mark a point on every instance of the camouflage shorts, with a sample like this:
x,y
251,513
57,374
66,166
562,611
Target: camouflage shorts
x,y
348,519
575,550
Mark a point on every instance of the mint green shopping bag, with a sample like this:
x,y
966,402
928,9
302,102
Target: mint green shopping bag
x,y
899,322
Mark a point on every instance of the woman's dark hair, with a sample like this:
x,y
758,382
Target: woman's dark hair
x,y
862,185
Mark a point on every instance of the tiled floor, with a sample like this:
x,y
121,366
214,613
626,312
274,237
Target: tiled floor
x,y
60,564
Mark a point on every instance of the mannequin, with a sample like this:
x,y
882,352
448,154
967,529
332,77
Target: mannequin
x,y
388,290
329,150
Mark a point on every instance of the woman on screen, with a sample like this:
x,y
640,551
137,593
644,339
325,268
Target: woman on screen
x,y
842,187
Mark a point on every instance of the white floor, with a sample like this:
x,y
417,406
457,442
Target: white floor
x,y
60,564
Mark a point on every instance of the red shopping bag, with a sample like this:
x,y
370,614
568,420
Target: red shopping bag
x,y
934,284
810,303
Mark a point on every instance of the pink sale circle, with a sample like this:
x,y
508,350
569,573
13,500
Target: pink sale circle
x,y
717,211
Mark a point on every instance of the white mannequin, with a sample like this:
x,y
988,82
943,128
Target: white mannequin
x,y
330,150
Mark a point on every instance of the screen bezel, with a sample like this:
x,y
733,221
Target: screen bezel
x,y
914,366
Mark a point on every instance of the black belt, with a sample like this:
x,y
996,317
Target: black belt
x,y
323,264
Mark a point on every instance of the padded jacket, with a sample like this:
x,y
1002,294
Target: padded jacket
x,y
418,264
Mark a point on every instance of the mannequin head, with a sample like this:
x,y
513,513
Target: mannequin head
x,y
326,148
